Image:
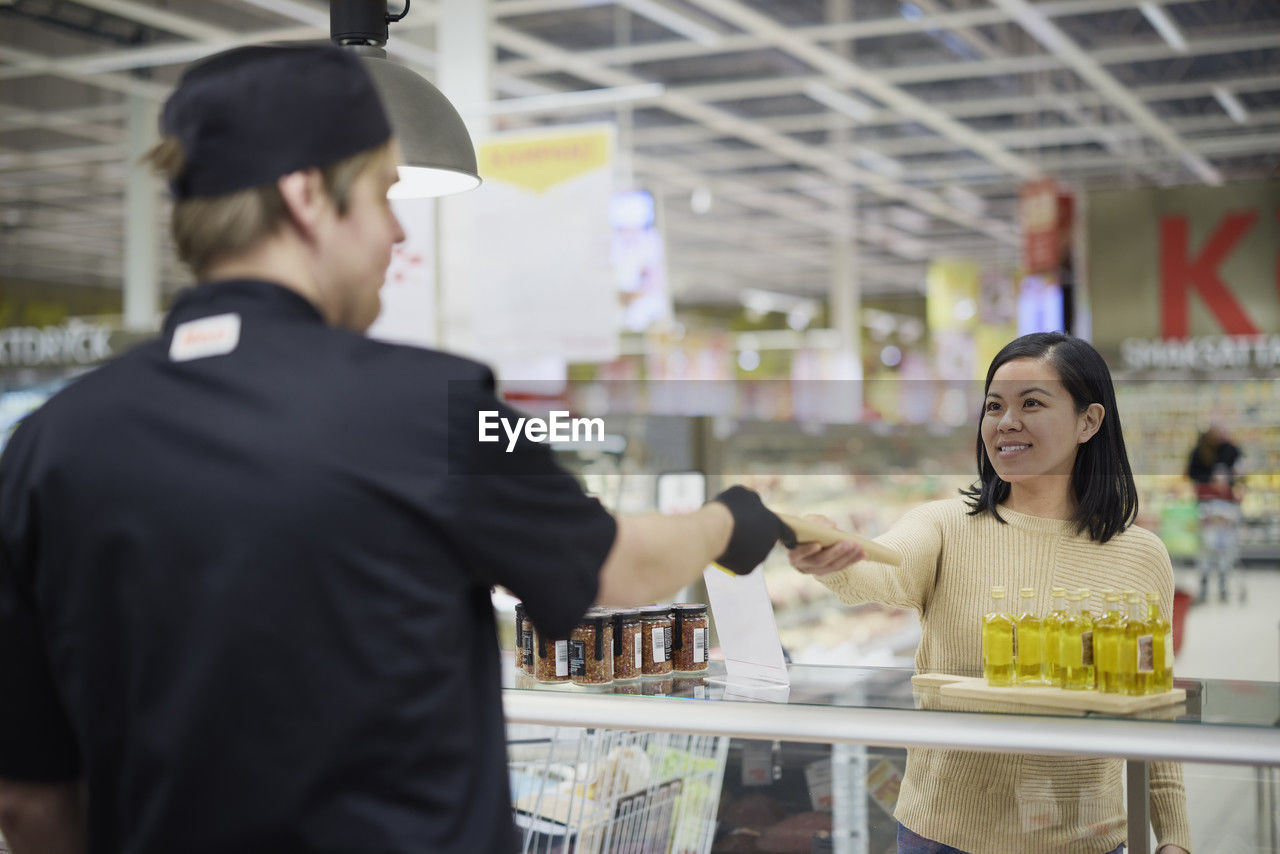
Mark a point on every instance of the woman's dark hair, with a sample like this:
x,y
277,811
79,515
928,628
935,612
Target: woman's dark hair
x,y
1101,480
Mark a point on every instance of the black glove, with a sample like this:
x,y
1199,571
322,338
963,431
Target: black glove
x,y
755,530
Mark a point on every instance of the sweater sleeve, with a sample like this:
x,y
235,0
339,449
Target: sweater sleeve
x,y
918,537
1169,805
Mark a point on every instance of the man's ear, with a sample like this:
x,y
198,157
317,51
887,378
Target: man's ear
x,y
1091,421
304,199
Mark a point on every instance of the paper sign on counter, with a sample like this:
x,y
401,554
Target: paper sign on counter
x,y
748,632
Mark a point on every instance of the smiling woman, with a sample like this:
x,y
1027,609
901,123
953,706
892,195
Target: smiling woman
x,y
1053,507
1050,441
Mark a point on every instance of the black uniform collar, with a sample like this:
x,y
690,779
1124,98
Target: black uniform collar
x,y
251,296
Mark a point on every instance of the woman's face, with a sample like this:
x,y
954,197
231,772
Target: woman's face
x,y
1030,426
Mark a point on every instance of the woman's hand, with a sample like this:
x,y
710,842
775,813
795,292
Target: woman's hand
x,y
814,559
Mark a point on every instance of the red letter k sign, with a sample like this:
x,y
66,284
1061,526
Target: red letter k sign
x,y
1180,274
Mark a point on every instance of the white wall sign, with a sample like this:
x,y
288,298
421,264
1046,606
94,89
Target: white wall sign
x,y
409,293
533,267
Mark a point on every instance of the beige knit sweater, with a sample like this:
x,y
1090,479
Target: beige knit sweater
x,y
993,803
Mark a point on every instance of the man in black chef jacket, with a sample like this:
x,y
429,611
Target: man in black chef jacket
x,y
245,568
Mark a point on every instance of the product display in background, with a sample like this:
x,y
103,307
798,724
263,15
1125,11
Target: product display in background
x,y
1162,420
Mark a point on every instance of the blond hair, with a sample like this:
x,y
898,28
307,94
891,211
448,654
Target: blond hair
x,y
207,229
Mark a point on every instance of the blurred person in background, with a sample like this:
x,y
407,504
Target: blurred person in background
x,y
1053,507
245,568
1212,467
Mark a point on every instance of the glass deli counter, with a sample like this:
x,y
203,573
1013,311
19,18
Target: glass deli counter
x,y
641,766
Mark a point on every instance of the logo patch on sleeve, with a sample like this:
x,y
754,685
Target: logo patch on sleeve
x,y
208,336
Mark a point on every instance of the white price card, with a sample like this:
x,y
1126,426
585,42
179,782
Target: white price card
x,y
757,763
884,781
817,775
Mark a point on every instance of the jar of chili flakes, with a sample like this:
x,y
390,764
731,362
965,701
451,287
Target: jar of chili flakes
x,y
690,642
523,645
591,649
551,659
655,640
627,649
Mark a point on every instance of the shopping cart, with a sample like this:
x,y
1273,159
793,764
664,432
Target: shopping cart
x,y
594,791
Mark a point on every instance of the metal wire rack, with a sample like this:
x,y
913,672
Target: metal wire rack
x,y
597,791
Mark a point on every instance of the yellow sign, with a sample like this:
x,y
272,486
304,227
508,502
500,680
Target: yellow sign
x,y
540,162
952,294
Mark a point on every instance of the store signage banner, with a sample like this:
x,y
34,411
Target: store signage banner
x,y
1210,353
1038,217
74,343
1183,262
534,261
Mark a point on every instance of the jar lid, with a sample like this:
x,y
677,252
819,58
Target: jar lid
x,y
599,612
519,608
626,613
652,611
596,618
691,608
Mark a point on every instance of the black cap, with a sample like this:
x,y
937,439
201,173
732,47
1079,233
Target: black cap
x,y
247,116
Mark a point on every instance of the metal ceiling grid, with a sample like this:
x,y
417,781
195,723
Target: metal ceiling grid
x,y
905,125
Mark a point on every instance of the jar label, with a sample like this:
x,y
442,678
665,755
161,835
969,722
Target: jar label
x,y
526,649
639,650
577,658
562,658
1146,654
1086,648
699,645
1168,651
660,641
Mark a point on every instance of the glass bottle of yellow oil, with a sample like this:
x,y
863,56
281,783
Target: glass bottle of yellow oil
x,y
1054,671
1106,644
1088,646
1135,647
1030,640
1162,647
999,641
1075,644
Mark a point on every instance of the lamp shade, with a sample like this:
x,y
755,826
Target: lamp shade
x,y
437,154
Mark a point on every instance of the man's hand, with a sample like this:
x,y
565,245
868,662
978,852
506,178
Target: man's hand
x,y
814,559
755,530
42,818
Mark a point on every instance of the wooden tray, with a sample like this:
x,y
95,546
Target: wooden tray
x,y
976,688
812,532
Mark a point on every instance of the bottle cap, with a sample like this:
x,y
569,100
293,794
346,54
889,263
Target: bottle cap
x,y
1058,593
1075,596
1111,596
1153,596
1027,592
1132,597
997,591
1085,592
